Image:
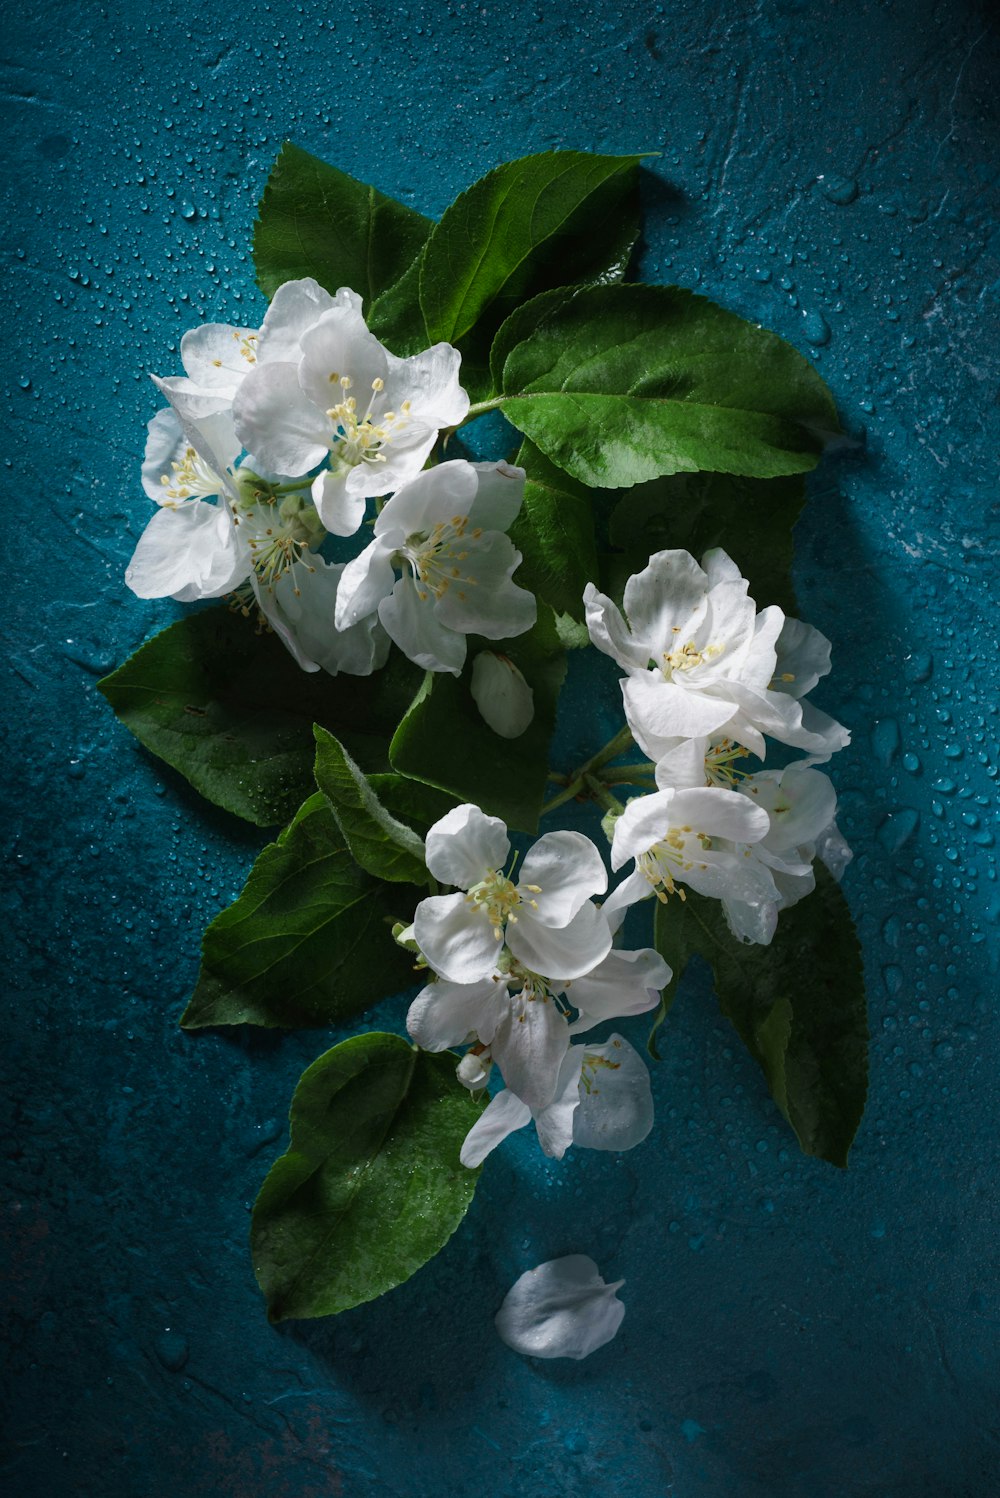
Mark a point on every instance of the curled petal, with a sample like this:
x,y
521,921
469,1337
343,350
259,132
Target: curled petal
x,y
502,695
499,496
188,552
560,952
445,1014
609,632
503,1115
340,511
624,983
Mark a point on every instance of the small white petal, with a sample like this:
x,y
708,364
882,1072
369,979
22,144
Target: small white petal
x,y
531,1039
445,1014
562,1309
624,983
567,869
340,511
465,845
410,619
560,952
499,496
609,632
456,938
278,423
503,1115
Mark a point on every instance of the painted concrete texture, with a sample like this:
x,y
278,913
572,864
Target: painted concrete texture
x,y
791,1330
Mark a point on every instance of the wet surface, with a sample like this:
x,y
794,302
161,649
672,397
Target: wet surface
x,y
790,1330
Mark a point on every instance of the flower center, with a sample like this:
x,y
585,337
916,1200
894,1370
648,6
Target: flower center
x,y
686,657
720,764
192,478
358,437
497,897
666,860
247,346
435,557
279,535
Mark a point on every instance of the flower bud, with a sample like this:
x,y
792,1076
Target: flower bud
x,y
474,1071
501,694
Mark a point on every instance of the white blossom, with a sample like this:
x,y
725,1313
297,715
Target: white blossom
x,y
562,1309
444,533
324,390
701,660
545,917
700,838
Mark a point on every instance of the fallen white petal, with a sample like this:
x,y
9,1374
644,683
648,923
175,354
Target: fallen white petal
x,y
562,1309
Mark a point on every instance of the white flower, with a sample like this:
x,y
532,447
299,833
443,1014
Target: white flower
x,y
546,917
700,658
324,389
223,530
515,1019
503,697
601,1100
216,358
801,805
444,533
700,838
562,1309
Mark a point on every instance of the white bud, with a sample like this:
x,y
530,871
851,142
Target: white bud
x,y
501,694
474,1071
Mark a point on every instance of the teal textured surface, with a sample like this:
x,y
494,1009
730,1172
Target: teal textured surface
x,y
790,1331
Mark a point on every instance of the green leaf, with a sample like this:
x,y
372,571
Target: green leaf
x,y
620,384
317,221
371,1186
309,941
379,843
412,801
395,316
798,1005
751,519
543,221
555,534
234,714
444,741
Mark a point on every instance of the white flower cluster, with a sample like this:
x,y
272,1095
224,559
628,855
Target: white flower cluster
x,y
276,437
523,966
708,678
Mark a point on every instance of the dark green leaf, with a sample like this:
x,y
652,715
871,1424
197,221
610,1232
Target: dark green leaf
x,y
444,740
555,534
234,714
316,221
619,384
383,846
798,1005
412,801
309,941
547,220
396,318
371,1186
751,519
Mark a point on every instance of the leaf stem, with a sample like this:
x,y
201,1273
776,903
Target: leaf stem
x,y
581,782
479,408
602,795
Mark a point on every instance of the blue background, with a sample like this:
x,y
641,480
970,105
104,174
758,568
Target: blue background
x,y
791,1330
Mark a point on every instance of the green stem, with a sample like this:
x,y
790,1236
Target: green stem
x,y
601,794
579,782
628,774
289,488
571,792
479,408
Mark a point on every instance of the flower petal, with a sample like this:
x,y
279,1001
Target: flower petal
x,y
456,938
666,602
616,1101
339,347
499,496
554,1123
429,380
659,710
560,952
445,1014
562,1309
340,511
624,983
188,552
465,845
301,607
367,579
295,306
559,874
531,1039
609,632
503,1115
409,616
217,356
277,423
803,656
429,499
503,697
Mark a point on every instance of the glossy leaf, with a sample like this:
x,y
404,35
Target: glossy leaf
x,y
444,741
621,384
798,1005
309,940
555,534
383,846
315,220
547,220
371,1186
233,713
751,519
671,940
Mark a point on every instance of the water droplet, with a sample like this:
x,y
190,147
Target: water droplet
x,y
918,667
897,828
817,329
885,740
911,762
838,189
172,1350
